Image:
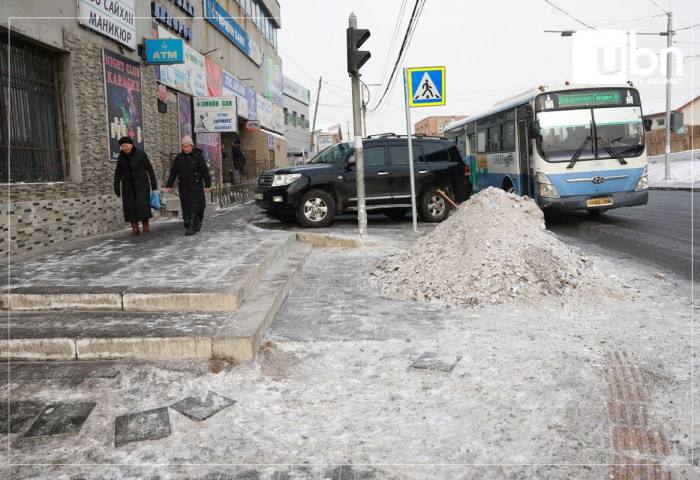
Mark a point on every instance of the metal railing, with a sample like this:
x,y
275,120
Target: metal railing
x,y
229,195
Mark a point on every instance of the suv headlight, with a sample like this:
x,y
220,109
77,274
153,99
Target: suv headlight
x,y
285,179
545,187
643,182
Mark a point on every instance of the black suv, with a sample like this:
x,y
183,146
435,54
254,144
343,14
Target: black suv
x,y
315,192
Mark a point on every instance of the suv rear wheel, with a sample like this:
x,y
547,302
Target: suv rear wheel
x,y
316,209
433,207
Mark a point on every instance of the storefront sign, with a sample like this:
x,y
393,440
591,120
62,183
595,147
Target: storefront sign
x,y
232,86
219,17
171,21
112,18
215,114
252,126
124,105
165,51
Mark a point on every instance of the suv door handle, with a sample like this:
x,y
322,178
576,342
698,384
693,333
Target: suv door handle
x,y
422,171
382,173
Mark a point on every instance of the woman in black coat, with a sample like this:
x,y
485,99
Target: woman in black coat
x,y
133,181
191,169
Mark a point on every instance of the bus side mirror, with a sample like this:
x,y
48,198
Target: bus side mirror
x,y
647,124
534,129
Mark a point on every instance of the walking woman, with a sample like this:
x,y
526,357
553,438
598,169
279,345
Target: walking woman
x,y
190,168
134,179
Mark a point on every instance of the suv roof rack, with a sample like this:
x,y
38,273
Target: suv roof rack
x,y
394,135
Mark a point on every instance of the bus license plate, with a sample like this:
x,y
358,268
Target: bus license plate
x,y
599,202
258,196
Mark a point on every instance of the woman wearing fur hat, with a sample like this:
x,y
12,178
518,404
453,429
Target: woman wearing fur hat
x,y
133,181
190,168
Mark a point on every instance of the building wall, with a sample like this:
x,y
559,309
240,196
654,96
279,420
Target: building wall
x,y
433,125
84,204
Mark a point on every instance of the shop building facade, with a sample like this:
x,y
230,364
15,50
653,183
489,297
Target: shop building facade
x,y
296,121
74,79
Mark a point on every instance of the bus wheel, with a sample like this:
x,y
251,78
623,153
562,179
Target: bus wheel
x,y
597,212
508,187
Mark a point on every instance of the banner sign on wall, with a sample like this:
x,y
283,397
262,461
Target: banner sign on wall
x,y
220,18
114,19
124,103
232,86
215,114
184,113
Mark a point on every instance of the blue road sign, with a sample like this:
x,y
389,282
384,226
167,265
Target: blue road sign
x,y
426,86
165,51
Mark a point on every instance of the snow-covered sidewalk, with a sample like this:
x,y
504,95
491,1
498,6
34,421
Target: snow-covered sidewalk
x,y
685,170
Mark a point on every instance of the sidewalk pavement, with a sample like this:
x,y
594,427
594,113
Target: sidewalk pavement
x,y
165,296
156,296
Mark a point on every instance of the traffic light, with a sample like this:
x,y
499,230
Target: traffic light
x,y
357,58
676,121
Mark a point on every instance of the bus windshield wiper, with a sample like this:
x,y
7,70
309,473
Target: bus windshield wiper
x,y
610,151
578,153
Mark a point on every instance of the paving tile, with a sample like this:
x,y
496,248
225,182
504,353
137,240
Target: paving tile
x,y
60,420
202,407
12,420
140,426
436,361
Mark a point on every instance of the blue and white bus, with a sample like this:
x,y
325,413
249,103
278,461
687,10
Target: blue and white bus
x,y
573,147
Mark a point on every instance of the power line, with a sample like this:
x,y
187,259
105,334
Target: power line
x,y
569,15
404,48
686,28
665,12
393,41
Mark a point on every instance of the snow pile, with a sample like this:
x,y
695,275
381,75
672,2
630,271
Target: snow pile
x,y
493,250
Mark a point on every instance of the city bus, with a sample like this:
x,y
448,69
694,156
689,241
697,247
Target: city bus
x,y
571,147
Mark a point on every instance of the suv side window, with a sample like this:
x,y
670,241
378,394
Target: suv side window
x,y
398,154
436,152
374,155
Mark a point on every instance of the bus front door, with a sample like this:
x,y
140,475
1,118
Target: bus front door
x,y
524,153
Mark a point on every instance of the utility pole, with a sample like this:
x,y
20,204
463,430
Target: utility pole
x,y
667,123
313,127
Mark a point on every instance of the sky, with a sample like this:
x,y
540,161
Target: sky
x,y
491,50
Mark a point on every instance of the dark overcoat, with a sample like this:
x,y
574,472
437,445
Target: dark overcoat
x,y
134,179
193,175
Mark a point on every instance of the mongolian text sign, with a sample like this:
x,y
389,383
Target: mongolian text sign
x,y
215,114
112,18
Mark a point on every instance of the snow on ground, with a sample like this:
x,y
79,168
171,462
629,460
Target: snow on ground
x,y
684,170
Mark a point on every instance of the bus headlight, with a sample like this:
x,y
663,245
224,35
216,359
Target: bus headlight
x,y
643,182
545,187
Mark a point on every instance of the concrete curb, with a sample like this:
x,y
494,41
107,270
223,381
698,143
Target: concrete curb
x,y
151,299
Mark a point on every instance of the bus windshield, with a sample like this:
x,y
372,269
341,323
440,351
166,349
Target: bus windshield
x,y
333,153
564,132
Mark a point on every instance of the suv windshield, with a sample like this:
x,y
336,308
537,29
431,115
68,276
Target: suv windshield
x,y
562,133
333,153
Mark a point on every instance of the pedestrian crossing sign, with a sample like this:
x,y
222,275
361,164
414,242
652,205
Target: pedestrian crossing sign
x,y
426,86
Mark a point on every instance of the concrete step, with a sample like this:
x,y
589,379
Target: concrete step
x,y
241,277
181,335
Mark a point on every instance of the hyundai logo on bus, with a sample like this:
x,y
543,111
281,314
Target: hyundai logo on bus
x,y
598,179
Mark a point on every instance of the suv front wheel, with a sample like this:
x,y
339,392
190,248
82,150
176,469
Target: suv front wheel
x,y
316,209
433,207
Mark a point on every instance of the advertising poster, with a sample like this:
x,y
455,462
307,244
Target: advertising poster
x,y
184,113
264,112
124,105
188,77
214,79
274,82
215,114
210,145
252,97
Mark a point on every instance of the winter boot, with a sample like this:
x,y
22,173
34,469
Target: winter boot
x,y
191,229
134,228
145,225
198,226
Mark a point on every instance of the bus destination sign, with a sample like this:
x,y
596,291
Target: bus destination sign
x,y
587,98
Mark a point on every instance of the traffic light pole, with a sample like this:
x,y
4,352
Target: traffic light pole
x,y
359,160
667,123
